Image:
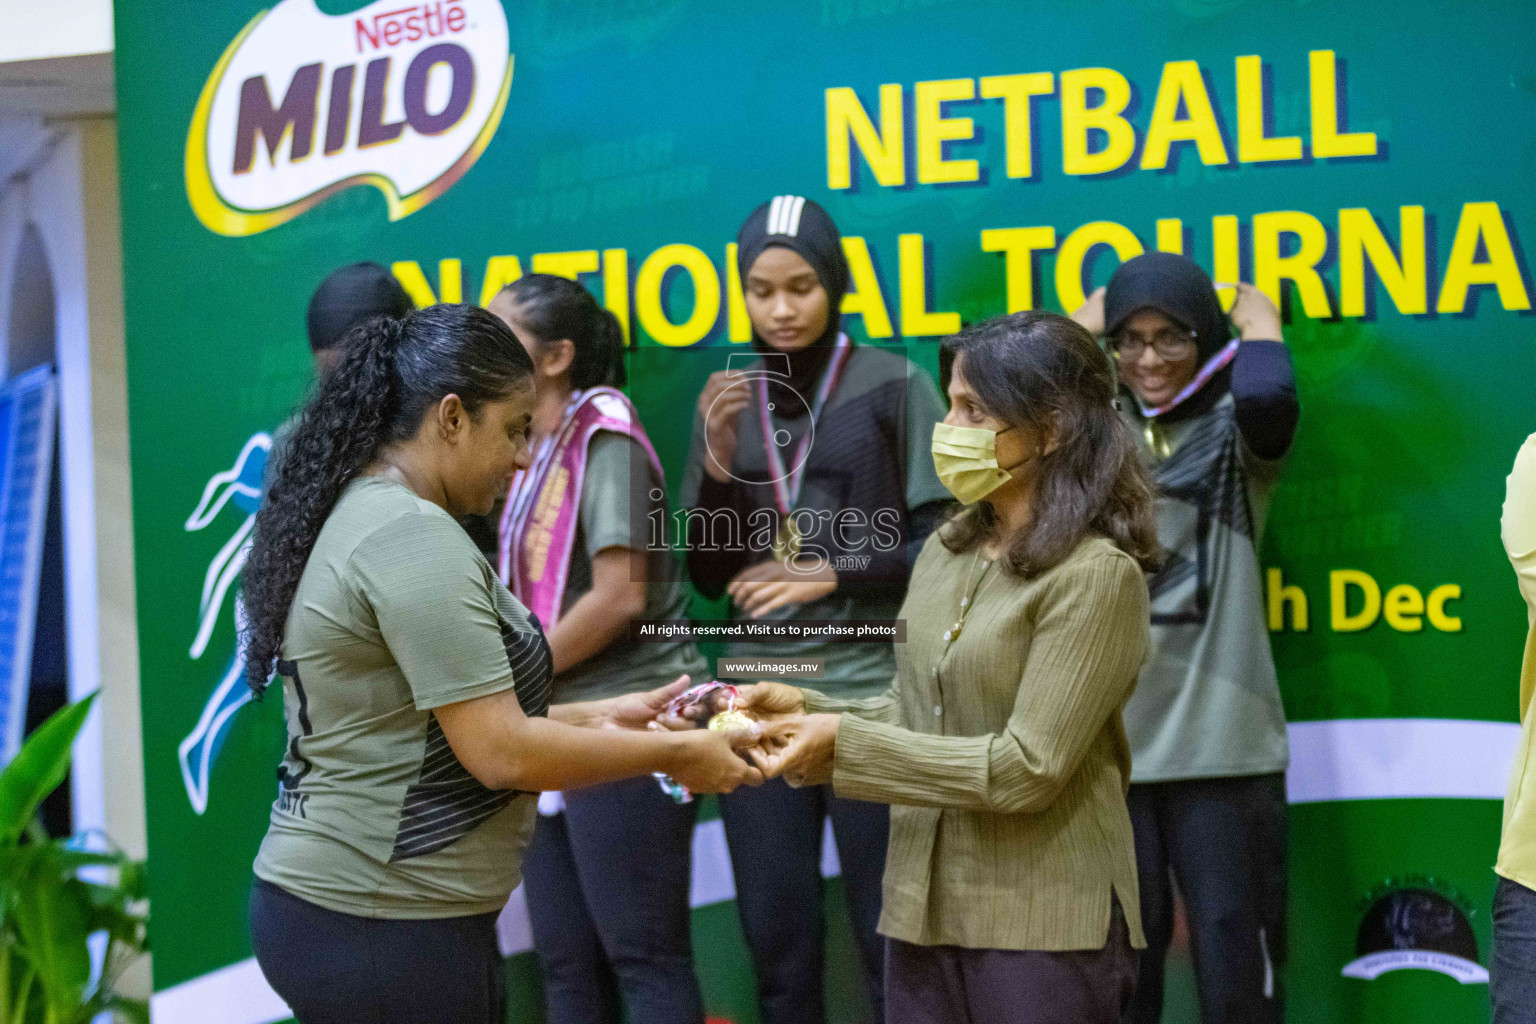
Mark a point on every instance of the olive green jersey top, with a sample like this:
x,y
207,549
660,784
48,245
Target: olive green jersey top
x,y
397,613
1002,753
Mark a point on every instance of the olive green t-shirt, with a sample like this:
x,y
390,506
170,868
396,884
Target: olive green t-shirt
x,y
617,505
397,613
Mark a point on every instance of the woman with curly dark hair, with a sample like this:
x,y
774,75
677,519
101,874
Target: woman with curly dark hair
x,y
1010,887
416,688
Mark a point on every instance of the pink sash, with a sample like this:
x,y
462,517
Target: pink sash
x,y
538,525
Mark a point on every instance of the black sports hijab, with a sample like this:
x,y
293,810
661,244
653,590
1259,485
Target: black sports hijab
x,y
802,226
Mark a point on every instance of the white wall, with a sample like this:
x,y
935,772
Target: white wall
x,y
37,29
68,196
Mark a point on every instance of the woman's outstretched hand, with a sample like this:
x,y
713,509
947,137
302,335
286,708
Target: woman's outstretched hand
x,y
799,748
770,702
712,762
636,710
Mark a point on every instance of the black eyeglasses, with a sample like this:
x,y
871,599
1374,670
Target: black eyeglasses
x,y
1170,343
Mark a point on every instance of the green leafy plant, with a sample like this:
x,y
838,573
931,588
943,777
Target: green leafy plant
x,y
57,893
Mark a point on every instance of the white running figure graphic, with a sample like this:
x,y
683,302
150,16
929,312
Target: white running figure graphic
x,y
241,487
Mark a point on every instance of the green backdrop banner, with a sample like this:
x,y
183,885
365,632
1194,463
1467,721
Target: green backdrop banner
x,y
1366,164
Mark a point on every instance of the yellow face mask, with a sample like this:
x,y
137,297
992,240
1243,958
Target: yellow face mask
x,y
966,461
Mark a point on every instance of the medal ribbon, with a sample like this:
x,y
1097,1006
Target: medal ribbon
x,y
693,695
787,491
1212,367
538,526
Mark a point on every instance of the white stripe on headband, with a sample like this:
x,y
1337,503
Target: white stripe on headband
x,y
773,214
784,215
794,216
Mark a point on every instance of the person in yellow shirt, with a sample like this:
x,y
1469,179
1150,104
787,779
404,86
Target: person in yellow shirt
x,y
1513,967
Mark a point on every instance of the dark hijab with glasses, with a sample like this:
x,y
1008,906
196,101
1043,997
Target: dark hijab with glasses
x,y
1176,287
1205,724
1258,377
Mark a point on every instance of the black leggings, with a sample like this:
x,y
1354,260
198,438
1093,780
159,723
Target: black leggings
x,y
334,968
774,833
1224,841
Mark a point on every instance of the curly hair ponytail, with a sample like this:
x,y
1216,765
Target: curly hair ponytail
x,y
392,372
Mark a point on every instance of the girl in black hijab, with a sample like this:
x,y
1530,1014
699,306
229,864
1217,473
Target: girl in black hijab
x,y
817,455
800,228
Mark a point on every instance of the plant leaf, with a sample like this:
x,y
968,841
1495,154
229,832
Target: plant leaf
x,y
72,859
16,863
38,768
23,995
133,879
51,922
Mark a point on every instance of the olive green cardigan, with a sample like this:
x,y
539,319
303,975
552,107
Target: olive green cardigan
x,y
1002,753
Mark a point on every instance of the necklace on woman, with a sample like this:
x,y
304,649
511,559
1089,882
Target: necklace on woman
x,y
968,597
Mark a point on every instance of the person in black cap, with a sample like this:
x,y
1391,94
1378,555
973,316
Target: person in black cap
x,y
350,295
828,443
1215,416
347,297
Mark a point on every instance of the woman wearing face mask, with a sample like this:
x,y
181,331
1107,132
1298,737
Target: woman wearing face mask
x,y
1010,890
415,687
1214,417
608,865
818,456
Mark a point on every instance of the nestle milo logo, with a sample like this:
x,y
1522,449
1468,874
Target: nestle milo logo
x,y
410,24
304,104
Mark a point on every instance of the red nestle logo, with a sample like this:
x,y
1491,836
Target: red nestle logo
x,y
411,24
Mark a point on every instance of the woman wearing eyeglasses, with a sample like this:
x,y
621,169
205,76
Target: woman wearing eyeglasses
x,y
1215,416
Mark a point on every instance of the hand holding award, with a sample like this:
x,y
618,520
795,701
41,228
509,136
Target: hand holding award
x,y
718,703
